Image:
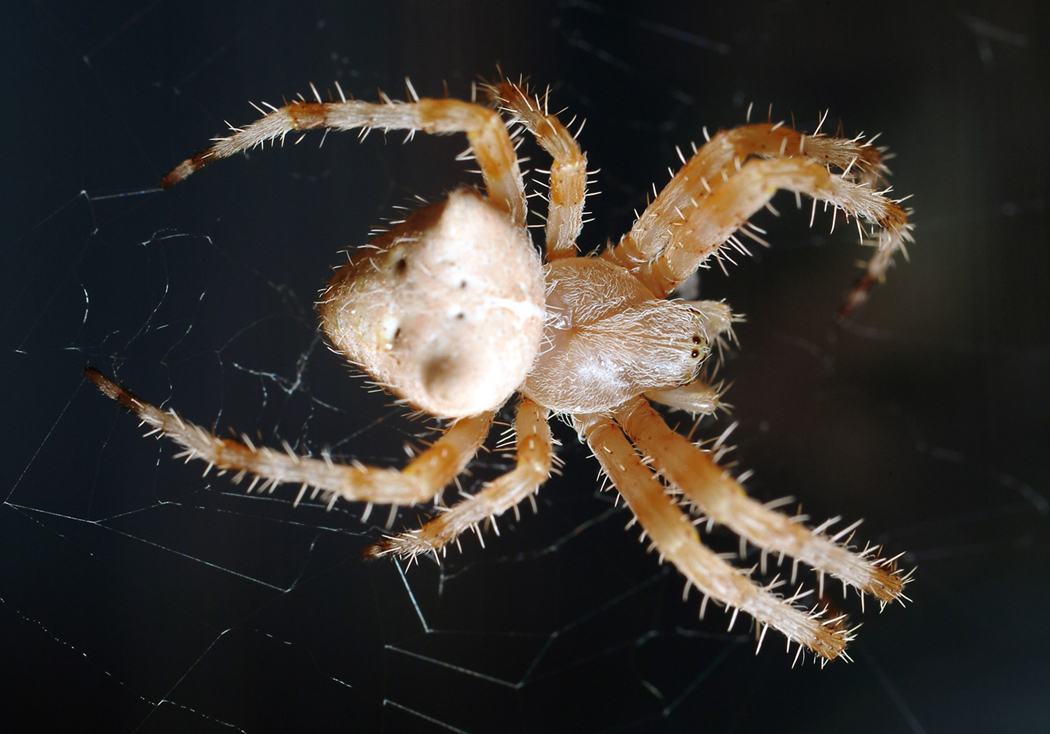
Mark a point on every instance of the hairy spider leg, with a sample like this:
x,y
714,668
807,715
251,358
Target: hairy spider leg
x,y
721,498
535,460
673,535
719,158
425,476
707,228
568,173
719,161
489,140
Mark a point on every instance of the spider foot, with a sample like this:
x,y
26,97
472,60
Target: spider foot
x,y
408,546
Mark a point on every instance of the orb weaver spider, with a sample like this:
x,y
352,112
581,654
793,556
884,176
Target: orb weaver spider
x,y
453,312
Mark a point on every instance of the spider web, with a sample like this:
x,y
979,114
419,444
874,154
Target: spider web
x,y
138,596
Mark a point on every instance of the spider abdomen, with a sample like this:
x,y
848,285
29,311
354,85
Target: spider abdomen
x,y
445,310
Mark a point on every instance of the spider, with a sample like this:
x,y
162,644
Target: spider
x,y
453,312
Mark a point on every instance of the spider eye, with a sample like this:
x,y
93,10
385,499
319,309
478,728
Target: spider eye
x,y
702,349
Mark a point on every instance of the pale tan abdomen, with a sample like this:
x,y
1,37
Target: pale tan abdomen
x,y
445,310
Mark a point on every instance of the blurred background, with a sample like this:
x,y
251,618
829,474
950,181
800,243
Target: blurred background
x,y
136,595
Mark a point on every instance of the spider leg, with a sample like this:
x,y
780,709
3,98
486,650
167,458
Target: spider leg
x,y
720,157
425,476
722,499
489,140
673,535
534,463
698,210
716,216
568,174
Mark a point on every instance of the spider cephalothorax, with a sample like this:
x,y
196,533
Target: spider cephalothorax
x,y
453,312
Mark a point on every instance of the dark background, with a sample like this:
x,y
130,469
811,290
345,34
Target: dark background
x,y
137,596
